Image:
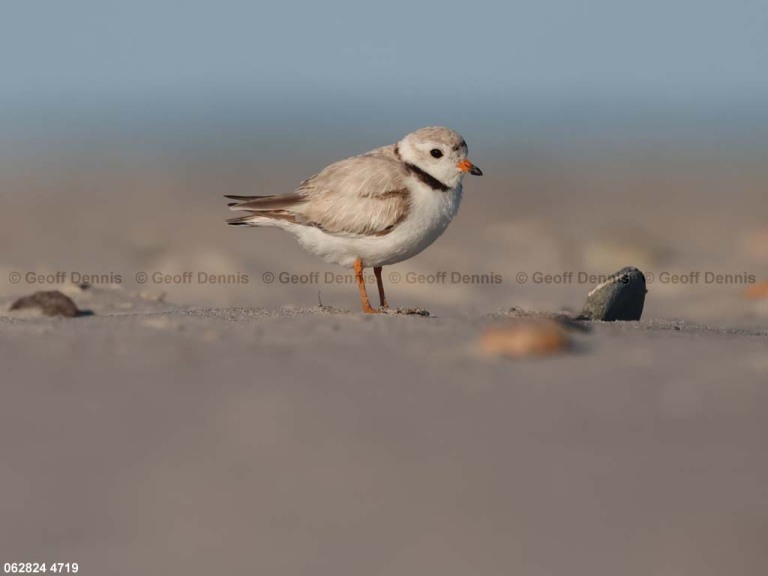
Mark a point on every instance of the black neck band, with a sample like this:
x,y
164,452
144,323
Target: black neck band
x,y
428,179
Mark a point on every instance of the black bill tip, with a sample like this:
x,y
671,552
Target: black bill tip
x,y
475,171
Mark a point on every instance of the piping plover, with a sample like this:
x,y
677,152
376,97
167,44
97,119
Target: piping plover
x,y
375,209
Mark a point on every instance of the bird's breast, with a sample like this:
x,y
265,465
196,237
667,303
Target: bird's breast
x,y
433,210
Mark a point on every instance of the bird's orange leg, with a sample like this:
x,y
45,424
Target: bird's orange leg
x,y
380,285
361,284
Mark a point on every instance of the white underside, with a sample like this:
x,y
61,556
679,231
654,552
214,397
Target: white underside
x,y
431,212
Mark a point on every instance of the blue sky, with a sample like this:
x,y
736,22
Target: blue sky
x,y
449,58
670,49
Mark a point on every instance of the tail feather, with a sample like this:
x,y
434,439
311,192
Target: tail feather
x,y
234,197
262,218
265,210
266,203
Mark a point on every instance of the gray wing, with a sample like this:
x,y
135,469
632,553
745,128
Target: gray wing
x,y
362,195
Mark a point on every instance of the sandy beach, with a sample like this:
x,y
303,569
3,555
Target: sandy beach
x,y
191,426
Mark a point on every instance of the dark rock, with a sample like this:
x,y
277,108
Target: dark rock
x,y
621,297
51,303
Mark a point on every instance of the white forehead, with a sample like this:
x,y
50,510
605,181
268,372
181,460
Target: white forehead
x,y
437,135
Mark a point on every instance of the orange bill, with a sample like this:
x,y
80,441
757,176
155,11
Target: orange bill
x,y
467,166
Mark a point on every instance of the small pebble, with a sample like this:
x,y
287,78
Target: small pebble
x,y
757,291
50,303
525,338
621,297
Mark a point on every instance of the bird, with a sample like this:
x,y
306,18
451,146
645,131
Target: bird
x,y
374,209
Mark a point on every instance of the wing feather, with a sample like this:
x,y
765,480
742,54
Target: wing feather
x,y
363,195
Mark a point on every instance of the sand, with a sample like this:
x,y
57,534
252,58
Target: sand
x,y
193,428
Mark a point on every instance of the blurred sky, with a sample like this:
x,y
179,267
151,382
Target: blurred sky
x,y
391,63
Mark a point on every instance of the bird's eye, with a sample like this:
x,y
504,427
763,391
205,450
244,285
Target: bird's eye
x,y
436,153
